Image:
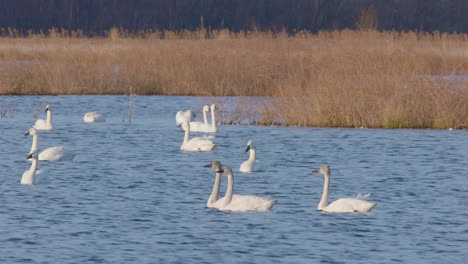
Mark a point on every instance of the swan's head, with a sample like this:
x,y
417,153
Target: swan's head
x,y
227,170
31,132
215,165
206,108
324,170
47,108
32,155
213,107
249,145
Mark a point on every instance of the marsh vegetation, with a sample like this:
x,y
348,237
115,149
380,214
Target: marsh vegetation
x,y
331,79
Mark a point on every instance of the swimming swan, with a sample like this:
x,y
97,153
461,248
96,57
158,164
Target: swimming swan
x,y
42,124
248,165
213,200
52,153
343,205
92,117
182,116
206,127
242,203
33,176
195,144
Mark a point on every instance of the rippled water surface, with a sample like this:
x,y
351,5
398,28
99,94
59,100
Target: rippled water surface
x,y
131,195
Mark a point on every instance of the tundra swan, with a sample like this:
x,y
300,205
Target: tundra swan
x,y
52,153
343,205
92,117
195,144
42,124
182,116
248,165
33,176
242,203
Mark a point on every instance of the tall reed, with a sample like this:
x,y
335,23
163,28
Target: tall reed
x,y
337,79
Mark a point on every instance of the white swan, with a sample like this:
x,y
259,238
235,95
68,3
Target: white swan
x,y
33,176
343,205
50,154
248,165
195,144
242,203
42,124
92,117
182,116
206,127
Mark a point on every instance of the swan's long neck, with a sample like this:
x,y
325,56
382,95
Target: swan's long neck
x,y
187,134
324,201
49,117
35,143
205,117
213,119
252,156
214,193
230,189
33,166
28,178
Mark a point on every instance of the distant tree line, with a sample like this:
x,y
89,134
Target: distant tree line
x,y
98,16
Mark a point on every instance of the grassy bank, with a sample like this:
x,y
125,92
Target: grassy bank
x,y
336,79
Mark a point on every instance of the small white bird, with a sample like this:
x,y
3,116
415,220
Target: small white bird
x,y
343,205
42,124
248,166
92,117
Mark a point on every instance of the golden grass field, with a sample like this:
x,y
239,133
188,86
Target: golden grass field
x,y
330,79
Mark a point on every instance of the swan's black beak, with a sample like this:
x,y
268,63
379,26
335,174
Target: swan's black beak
x,y
248,148
27,133
30,156
220,171
208,166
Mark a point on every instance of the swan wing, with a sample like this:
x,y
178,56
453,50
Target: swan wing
x,y
198,144
247,166
245,203
42,124
56,153
201,127
350,205
182,116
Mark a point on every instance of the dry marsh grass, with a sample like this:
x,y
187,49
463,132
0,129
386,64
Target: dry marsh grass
x,y
332,79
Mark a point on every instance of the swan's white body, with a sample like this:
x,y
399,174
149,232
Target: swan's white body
x,y
195,144
182,116
52,153
92,117
205,126
242,203
343,205
33,176
42,124
248,166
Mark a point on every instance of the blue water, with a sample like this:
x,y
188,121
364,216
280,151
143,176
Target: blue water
x,y
131,196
